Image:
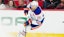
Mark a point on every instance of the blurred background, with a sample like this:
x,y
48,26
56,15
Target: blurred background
x,y
44,4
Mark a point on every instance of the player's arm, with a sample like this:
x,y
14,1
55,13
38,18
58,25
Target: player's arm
x,y
27,9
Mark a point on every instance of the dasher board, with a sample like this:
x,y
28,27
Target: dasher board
x,y
9,27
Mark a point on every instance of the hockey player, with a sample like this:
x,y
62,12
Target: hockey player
x,y
35,15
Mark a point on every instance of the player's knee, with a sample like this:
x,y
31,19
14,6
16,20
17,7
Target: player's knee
x,y
26,23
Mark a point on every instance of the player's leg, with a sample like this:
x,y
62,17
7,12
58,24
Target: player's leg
x,y
37,26
28,22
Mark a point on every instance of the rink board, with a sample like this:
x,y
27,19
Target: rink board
x,y
53,25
